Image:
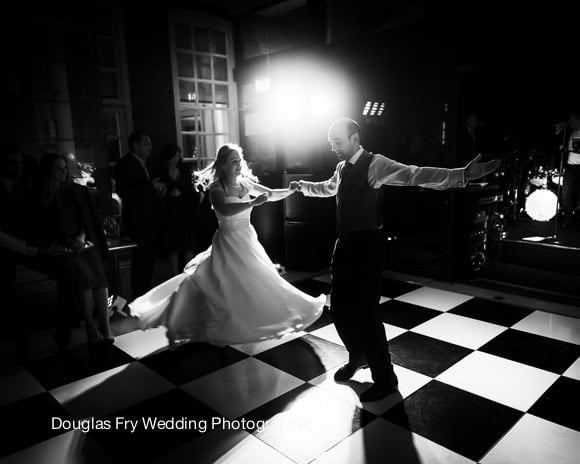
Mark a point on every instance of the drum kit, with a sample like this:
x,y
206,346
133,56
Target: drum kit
x,y
529,185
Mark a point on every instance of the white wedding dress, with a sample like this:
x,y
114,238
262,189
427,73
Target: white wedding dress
x,y
229,294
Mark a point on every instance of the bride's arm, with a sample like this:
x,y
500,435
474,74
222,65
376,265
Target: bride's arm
x,y
273,194
218,200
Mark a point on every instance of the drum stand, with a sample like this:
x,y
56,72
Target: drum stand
x,y
563,151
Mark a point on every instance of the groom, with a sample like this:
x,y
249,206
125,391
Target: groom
x,y
357,260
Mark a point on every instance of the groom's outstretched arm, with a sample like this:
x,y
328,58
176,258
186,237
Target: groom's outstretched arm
x,y
385,171
327,188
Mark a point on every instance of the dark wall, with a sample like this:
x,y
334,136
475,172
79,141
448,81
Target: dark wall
x,y
149,62
50,83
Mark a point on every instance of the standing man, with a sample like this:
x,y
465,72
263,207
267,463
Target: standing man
x,y
141,208
357,260
571,187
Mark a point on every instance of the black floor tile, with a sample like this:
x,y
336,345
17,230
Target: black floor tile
x,y
29,421
56,370
557,403
425,355
394,288
191,361
306,357
322,321
458,420
144,445
313,287
405,315
534,350
491,311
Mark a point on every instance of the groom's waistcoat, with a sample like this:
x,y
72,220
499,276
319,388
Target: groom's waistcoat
x,y
357,202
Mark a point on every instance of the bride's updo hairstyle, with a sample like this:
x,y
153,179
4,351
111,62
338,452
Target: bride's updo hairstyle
x,y
215,171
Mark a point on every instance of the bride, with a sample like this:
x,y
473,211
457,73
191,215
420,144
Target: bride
x,y
232,292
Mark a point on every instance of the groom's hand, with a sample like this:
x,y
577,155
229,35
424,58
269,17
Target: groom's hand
x,y
475,169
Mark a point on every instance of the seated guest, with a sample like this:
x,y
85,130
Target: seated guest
x,y
62,218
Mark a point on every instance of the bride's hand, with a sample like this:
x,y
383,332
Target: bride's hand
x,y
260,199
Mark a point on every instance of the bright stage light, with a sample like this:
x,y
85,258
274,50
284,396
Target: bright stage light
x,y
374,108
541,205
322,107
296,99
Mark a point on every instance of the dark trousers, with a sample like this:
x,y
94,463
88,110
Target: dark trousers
x,y
571,190
357,264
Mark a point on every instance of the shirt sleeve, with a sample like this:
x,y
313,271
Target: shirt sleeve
x,y
385,171
327,188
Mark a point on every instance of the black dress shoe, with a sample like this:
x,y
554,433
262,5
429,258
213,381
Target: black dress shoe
x,y
347,371
377,392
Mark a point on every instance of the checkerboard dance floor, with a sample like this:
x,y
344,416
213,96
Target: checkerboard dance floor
x,y
480,381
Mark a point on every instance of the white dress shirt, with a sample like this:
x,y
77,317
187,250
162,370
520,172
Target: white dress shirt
x,y
573,155
385,171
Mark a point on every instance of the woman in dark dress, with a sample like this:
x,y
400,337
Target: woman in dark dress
x,y
63,217
178,235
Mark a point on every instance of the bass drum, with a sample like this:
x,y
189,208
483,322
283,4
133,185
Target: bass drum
x,y
542,205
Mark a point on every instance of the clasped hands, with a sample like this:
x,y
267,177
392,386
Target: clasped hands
x,y
264,197
295,186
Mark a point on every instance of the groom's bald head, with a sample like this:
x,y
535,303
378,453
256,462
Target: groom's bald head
x,y
344,137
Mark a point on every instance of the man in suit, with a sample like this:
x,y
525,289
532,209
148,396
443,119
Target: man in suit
x,y
357,260
571,187
141,202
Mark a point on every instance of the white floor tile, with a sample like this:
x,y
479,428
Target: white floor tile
x,y
499,379
409,382
383,442
574,370
536,441
226,447
16,383
110,391
329,333
241,387
555,326
393,331
69,448
311,424
141,343
440,300
459,330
